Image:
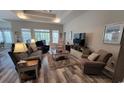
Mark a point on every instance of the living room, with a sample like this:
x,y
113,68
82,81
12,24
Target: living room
x,y
69,66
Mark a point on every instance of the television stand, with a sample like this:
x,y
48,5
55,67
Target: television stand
x,y
76,47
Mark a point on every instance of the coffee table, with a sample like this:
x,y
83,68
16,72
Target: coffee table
x,y
60,56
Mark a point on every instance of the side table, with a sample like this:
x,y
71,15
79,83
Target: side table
x,y
27,66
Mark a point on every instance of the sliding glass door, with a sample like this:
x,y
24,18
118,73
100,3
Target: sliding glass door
x,y
42,34
1,37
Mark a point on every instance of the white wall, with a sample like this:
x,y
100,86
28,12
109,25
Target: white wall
x,y
17,25
93,23
4,24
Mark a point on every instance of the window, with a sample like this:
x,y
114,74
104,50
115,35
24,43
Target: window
x,y
26,35
55,36
1,37
5,36
42,34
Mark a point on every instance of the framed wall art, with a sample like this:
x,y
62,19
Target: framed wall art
x,y
113,33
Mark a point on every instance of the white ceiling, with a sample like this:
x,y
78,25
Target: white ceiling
x,y
64,15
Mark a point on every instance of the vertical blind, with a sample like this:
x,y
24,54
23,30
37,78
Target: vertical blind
x,y
42,34
1,37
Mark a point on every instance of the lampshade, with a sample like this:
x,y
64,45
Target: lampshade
x,y
32,41
20,47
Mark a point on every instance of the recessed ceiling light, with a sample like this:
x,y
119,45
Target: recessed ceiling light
x,y
57,20
21,15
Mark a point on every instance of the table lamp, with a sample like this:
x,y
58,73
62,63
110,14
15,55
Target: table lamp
x,y
32,40
20,48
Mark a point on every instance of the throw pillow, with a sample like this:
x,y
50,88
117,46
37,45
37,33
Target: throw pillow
x,y
93,56
30,50
33,46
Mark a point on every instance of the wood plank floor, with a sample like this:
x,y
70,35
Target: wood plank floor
x,y
8,73
66,74
49,73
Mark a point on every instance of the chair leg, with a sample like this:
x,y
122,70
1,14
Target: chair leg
x,y
36,71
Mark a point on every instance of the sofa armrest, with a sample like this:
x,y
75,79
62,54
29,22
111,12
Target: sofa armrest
x,y
94,64
39,48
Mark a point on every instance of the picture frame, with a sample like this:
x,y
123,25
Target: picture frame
x,y
113,33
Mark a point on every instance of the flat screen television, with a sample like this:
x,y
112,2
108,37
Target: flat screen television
x,y
79,39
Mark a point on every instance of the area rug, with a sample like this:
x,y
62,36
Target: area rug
x,y
64,63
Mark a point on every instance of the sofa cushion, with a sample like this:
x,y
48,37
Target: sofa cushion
x,y
93,56
104,56
37,53
30,50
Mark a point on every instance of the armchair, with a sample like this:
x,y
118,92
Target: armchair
x,y
42,46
